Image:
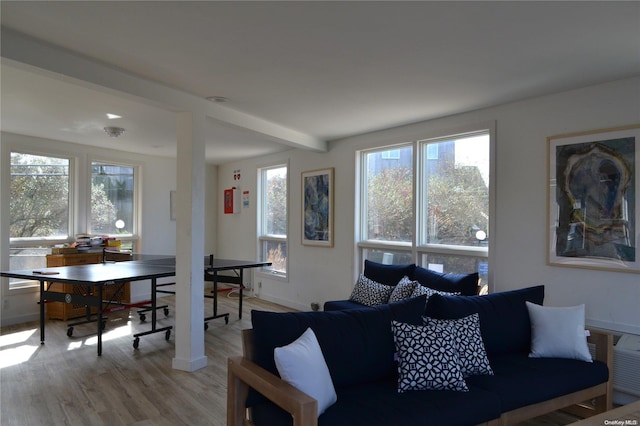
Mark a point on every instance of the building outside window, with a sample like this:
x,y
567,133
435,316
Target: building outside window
x,y
430,206
272,217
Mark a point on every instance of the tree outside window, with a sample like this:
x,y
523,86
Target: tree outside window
x,y
39,204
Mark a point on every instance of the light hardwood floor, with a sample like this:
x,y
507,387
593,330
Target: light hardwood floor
x,y
64,382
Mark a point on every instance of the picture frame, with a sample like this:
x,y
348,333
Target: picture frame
x,y
593,208
317,207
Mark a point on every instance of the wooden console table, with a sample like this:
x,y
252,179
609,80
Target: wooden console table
x,y
65,311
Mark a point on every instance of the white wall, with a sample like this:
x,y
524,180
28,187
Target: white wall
x,y
519,254
318,274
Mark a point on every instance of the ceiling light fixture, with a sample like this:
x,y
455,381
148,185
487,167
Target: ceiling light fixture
x,y
114,132
219,99
113,116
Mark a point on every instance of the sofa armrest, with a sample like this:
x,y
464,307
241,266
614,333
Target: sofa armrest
x,y
243,374
603,342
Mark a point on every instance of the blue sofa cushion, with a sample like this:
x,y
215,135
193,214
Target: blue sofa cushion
x,y
341,305
504,319
387,274
465,284
380,404
357,344
520,380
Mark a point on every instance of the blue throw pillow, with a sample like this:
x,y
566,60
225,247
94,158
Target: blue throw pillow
x,y
504,318
387,274
465,284
357,344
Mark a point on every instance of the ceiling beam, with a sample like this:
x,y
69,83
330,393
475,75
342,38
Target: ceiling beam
x,y
69,66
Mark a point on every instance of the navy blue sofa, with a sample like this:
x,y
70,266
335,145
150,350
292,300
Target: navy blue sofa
x,y
358,348
465,284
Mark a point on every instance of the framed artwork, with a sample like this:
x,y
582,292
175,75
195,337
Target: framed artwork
x,y
592,200
317,208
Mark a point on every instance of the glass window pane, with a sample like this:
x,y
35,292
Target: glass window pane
x,y
30,258
276,253
455,207
388,257
275,219
39,205
112,199
388,212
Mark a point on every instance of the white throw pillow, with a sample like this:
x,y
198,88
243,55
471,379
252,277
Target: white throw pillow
x,y
302,365
558,332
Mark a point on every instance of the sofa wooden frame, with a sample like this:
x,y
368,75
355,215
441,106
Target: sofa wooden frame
x,y
244,374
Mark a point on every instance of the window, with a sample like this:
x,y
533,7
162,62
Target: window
x,y
272,227
39,208
113,201
455,206
433,209
48,205
389,195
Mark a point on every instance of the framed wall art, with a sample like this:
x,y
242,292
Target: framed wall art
x,y
317,208
593,207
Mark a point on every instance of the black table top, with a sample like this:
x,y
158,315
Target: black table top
x,y
141,267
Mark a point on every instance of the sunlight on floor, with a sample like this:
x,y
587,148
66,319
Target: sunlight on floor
x,y
15,351
18,337
123,330
18,354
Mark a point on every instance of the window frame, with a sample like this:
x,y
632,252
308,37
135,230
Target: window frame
x,y
416,248
79,201
264,238
134,237
361,189
43,243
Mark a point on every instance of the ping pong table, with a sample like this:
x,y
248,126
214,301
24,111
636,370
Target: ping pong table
x,y
95,277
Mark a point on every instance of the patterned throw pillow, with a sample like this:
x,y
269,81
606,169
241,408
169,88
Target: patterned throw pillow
x,y
427,357
370,293
403,290
471,350
420,290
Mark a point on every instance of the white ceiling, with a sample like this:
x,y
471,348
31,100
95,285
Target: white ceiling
x,y
319,70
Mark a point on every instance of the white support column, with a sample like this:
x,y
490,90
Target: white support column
x,y
190,193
